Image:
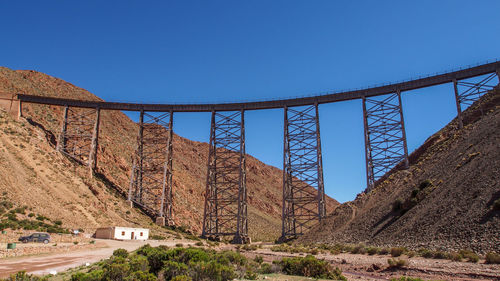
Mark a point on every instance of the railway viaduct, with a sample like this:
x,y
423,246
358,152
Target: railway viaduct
x,y
225,212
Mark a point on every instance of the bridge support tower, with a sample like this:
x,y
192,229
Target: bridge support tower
x,y
385,136
303,188
225,212
151,177
467,93
79,135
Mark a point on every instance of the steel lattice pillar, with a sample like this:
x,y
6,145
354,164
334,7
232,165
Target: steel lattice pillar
x,y
79,135
303,188
385,136
466,93
151,179
225,211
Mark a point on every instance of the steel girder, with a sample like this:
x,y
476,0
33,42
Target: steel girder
x,y
151,178
79,133
303,188
225,211
385,137
466,93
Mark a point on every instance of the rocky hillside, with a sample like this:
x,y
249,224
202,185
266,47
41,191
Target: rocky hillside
x,y
116,144
445,200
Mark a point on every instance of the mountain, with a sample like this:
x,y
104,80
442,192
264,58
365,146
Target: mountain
x,y
445,200
53,178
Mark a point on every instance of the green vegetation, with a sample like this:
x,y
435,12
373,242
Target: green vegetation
x,y
493,258
22,276
11,220
190,264
405,278
417,195
310,267
398,251
394,252
469,255
496,205
121,253
157,237
397,263
249,247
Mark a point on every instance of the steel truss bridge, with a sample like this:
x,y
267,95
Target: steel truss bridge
x,y
225,212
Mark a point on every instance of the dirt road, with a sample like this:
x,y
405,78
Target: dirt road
x,y
44,264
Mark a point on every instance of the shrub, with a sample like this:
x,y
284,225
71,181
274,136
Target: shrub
x,y
172,269
383,251
20,210
496,205
6,204
424,184
258,259
116,269
493,258
141,276
469,255
397,251
359,249
426,253
405,278
310,267
248,247
411,254
180,245
199,243
250,275
58,222
440,255
212,271
41,218
373,250
228,257
138,263
12,217
455,257
182,278
266,268
414,193
156,257
157,237
397,263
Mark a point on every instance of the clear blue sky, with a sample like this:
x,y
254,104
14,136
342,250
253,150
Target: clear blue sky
x,y
221,51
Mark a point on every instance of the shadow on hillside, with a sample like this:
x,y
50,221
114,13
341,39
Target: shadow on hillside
x,y
491,213
117,191
392,216
48,134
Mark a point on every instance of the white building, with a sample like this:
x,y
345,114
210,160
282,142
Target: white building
x,y
122,233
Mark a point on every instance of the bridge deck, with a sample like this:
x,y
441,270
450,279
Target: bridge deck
x,y
327,98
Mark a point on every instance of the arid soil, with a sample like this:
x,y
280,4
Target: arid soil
x,y
364,267
460,173
60,181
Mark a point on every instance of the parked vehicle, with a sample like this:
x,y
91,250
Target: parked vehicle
x,y
36,237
